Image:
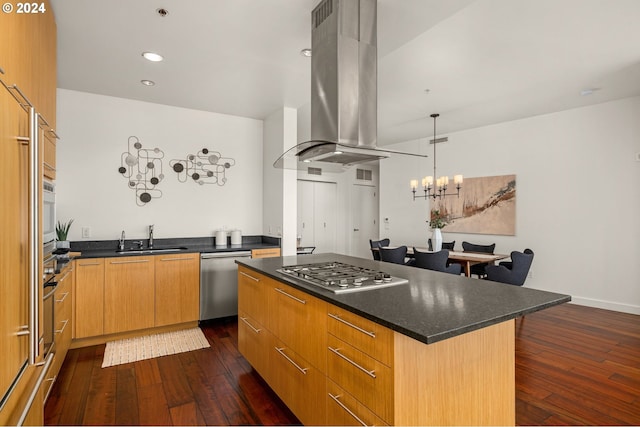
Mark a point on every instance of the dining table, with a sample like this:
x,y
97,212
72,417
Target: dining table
x,y
467,259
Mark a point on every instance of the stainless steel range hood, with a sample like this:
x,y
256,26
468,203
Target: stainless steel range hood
x,y
343,89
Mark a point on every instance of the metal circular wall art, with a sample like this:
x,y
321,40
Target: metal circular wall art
x,y
143,170
206,167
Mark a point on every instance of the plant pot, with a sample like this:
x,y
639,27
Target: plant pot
x,y
436,240
63,244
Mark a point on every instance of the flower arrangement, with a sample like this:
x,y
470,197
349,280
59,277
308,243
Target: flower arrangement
x,y
62,230
438,219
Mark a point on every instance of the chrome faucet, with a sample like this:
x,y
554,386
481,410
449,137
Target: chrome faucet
x,y
121,244
151,236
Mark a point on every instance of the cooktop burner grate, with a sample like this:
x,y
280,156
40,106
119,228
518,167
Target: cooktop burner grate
x,y
339,277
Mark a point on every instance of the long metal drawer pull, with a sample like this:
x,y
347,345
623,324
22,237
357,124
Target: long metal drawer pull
x,y
343,406
281,351
130,262
250,277
59,331
372,374
36,389
48,166
88,264
24,330
301,301
176,259
64,297
357,328
244,319
64,277
53,380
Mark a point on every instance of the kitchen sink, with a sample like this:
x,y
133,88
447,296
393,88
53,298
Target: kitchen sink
x,y
151,251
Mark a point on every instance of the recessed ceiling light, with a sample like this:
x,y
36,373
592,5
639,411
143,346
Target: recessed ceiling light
x,y
162,12
152,56
588,91
148,82
306,52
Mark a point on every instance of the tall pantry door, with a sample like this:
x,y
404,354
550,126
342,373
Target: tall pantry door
x,y
317,206
14,244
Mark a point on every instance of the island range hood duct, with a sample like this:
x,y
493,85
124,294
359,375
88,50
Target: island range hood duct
x,y
343,89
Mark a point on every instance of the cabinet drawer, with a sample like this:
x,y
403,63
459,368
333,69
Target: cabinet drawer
x,y
252,294
300,321
300,386
265,253
365,335
49,158
368,380
254,343
344,410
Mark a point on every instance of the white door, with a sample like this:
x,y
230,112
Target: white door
x,y
317,215
325,206
305,213
364,218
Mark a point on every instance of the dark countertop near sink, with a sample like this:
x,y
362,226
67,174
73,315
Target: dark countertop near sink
x,y
432,307
107,248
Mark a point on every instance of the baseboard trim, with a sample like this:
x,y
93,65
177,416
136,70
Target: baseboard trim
x,y
607,305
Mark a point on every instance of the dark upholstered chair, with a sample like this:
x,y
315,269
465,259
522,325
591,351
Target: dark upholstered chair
x,y
445,245
435,261
521,263
478,269
378,244
394,255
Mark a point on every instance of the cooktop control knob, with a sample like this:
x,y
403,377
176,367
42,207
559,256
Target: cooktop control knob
x,y
386,277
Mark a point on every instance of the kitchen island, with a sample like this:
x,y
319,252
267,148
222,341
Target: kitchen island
x,y
438,350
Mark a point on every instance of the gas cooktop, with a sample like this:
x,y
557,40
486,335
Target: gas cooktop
x,y
339,277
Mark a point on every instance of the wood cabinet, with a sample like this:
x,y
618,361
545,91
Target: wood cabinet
x,y
374,376
48,142
89,298
298,383
129,294
177,288
300,321
265,253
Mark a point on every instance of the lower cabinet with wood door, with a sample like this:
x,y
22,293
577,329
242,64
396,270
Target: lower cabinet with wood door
x,y
177,288
133,295
373,375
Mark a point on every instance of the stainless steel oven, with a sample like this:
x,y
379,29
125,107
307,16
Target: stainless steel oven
x,y
48,212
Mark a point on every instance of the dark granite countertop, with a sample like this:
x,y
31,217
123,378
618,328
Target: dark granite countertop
x,y
107,248
432,307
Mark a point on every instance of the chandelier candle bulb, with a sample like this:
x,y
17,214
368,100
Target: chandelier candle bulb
x,y
414,184
457,179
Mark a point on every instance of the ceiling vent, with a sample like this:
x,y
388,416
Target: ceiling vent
x,y
364,175
314,171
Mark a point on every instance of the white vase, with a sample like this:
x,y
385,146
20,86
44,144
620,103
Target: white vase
x,y
63,244
436,240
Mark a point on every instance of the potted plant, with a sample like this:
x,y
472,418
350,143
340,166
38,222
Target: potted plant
x,y
62,232
437,222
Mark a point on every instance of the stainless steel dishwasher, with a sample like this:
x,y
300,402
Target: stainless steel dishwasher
x,y
219,284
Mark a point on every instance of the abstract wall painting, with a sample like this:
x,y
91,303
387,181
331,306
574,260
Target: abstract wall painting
x,y
487,205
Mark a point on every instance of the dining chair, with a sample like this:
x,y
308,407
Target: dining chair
x,y
517,274
478,269
378,244
445,245
394,255
436,261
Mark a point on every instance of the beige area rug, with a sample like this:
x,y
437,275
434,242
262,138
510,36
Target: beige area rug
x,y
150,346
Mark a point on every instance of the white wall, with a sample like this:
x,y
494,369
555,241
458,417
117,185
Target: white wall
x,y
279,185
94,130
578,198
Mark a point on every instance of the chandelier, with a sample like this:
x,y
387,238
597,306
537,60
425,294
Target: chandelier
x,y
439,188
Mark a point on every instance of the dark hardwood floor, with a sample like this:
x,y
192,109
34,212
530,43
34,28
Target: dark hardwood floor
x,y
574,366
